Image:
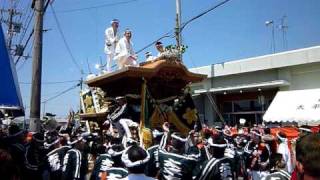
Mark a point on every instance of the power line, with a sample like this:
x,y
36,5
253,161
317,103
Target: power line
x,y
54,82
96,7
25,60
65,41
61,93
150,44
203,13
29,19
31,33
183,26
25,45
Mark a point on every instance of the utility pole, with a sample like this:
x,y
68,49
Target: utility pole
x,y
284,27
13,26
178,27
273,44
35,104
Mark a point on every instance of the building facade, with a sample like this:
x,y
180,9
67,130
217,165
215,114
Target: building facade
x,y
245,88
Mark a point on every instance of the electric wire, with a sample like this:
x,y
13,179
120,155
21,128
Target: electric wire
x,y
31,33
65,41
97,6
203,13
25,60
183,25
61,93
53,82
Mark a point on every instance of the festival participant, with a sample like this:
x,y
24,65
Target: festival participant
x,y
135,159
160,48
283,149
34,162
277,170
259,154
153,164
131,132
73,162
55,156
219,166
8,169
240,165
111,40
173,162
308,157
109,164
125,54
15,142
149,56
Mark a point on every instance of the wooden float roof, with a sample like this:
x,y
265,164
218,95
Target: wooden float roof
x,y
164,78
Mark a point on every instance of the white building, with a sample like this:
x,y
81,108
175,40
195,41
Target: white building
x,y
245,88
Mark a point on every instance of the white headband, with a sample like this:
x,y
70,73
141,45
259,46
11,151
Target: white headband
x,y
114,21
75,141
114,153
125,159
174,136
156,133
305,129
281,138
210,142
47,145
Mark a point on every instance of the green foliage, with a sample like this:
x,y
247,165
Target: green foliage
x,y
173,48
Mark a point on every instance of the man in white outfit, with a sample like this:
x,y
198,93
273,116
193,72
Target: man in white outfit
x,y
125,54
111,40
283,149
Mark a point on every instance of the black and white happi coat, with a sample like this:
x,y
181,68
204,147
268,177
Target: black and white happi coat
x,y
72,165
55,162
175,166
153,164
102,163
116,173
105,163
278,175
218,169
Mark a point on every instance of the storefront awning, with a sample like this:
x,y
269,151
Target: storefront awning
x,y
268,84
300,106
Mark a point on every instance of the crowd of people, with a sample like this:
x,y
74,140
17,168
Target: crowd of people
x,y
117,152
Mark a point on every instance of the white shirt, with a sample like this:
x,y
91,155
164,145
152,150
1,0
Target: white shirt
x,y
110,40
124,48
137,177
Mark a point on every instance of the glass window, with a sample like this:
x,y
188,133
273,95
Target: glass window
x,y
256,105
240,106
227,107
247,105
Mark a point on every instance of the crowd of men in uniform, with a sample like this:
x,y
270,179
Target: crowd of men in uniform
x,y
212,153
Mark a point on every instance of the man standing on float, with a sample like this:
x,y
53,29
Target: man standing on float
x,y
125,55
111,40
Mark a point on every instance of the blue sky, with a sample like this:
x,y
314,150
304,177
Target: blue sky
x,y
234,31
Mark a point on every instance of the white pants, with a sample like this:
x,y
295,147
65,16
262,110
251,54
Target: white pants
x,y
126,61
109,62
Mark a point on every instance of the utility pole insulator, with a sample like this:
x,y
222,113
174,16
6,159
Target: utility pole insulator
x,y
19,50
